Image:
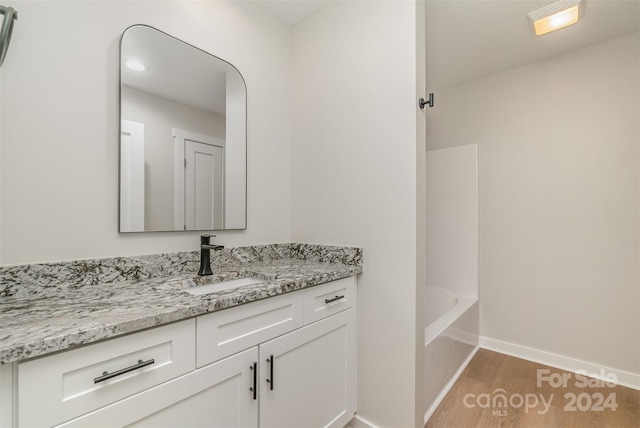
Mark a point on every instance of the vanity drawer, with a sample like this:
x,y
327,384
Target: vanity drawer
x,y
227,332
60,387
327,299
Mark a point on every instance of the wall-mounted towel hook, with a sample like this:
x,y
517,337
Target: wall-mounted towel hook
x,y
10,15
428,102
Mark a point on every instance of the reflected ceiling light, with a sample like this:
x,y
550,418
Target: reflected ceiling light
x,y
136,65
555,16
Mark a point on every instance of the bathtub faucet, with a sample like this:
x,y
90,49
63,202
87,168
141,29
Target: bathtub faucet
x,y
205,255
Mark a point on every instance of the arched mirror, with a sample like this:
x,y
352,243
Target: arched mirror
x,y
182,136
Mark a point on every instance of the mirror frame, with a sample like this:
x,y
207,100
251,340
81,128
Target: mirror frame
x,y
119,127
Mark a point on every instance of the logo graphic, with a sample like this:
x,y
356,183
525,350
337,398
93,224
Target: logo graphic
x,y
500,401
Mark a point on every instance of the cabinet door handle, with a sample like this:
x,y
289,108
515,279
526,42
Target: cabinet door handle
x,y
333,300
107,375
270,380
254,388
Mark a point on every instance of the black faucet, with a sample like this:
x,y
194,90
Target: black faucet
x,y
205,255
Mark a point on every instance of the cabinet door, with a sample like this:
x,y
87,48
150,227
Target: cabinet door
x,y
308,376
218,395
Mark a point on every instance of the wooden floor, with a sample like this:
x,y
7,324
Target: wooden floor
x,y
494,389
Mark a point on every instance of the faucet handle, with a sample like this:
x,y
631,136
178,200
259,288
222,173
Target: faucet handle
x,y
205,238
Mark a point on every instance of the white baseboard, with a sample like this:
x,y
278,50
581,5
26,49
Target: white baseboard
x,y
443,393
628,379
360,422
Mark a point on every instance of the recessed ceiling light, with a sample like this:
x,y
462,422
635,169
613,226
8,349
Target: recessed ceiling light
x,y
555,16
136,65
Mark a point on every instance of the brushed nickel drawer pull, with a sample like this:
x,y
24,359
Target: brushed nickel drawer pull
x,y
107,375
334,299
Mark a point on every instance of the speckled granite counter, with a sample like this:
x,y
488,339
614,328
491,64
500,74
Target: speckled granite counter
x,y
51,307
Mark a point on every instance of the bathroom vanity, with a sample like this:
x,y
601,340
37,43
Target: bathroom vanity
x,y
278,352
268,338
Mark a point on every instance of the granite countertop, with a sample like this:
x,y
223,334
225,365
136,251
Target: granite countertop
x,y
52,307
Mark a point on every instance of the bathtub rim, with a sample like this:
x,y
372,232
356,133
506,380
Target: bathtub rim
x,y
433,330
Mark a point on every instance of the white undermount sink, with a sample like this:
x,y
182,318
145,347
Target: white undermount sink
x,y
217,287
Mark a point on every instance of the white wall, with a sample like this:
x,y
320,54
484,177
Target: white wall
x,y
59,170
559,206
354,169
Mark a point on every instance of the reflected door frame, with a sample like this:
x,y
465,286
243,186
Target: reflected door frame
x,y
180,138
132,176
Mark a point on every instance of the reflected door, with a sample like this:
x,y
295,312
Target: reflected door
x,y
131,176
203,186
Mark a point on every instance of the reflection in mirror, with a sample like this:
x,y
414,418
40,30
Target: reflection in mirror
x,y
182,136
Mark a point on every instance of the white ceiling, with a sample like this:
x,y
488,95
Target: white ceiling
x,y
289,12
470,39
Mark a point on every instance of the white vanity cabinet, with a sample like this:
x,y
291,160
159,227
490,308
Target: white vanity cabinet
x,y
309,376
286,361
306,353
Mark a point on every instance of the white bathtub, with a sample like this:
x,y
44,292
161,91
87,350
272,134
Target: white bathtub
x,y
450,340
